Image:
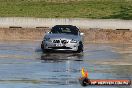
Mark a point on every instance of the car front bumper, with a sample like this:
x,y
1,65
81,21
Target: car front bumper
x,y
59,46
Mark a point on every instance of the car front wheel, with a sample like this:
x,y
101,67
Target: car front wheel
x,y
80,48
42,46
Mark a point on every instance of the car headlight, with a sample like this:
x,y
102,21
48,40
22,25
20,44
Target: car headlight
x,y
47,39
73,41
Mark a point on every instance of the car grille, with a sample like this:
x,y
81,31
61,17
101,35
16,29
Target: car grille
x,y
60,41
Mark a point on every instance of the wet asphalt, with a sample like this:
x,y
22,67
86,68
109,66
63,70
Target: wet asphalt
x,y
24,65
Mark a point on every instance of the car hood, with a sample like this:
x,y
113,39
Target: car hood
x,y
61,36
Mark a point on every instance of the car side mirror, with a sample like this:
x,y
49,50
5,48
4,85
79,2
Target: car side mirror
x,y
81,33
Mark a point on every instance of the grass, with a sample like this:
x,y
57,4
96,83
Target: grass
x,y
97,9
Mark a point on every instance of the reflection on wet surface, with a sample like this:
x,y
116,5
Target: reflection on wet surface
x,y
23,65
62,57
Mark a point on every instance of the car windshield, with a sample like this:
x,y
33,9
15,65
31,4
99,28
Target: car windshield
x,y
67,30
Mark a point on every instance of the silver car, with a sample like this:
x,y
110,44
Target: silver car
x,y
63,38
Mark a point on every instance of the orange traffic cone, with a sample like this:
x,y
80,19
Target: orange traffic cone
x,y
84,80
